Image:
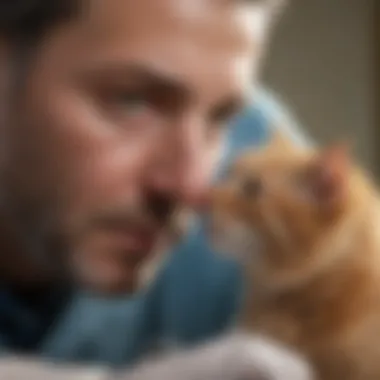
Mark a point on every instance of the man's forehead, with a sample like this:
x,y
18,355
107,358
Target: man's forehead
x,y
209,41
187,8
237,19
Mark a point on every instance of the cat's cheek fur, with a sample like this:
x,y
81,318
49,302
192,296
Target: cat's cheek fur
x,y
235,240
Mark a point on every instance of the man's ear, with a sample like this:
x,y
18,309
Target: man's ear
x,y
328,174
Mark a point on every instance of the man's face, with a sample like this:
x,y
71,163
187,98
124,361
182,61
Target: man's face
x,y
118,125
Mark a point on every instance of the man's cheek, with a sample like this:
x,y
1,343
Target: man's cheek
x,y
109,171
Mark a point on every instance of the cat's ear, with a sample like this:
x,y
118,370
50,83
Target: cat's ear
x,y
328,174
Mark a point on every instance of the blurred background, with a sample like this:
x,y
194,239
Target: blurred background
x,y
323,65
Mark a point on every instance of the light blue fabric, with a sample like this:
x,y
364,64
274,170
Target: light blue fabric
x,y
195,296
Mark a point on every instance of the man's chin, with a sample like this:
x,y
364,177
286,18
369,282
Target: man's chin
x,y
108,284
127,284
150,268
102,268
113,279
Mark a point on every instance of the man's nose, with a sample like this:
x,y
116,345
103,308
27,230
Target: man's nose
x,y
184,181
182,171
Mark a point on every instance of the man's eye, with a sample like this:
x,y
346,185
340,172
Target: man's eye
x,y
130,102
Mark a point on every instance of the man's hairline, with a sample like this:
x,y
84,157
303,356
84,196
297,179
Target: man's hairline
x,y
75,9
24,49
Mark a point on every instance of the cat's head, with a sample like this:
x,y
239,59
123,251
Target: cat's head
x,y
278,207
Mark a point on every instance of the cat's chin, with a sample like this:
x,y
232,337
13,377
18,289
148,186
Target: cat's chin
x,y
234,240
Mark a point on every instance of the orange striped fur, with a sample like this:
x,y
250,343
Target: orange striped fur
x,y
306,225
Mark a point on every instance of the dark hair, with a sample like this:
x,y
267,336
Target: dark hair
x,y
27,20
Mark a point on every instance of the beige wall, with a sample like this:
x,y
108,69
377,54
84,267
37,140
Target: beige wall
x,y
321,64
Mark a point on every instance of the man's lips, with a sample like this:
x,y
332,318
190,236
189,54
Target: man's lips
x,y
141,241
135,242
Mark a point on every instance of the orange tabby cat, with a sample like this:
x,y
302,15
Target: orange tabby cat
x,y
306,224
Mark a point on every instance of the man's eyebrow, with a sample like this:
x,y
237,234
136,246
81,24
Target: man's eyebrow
x,y
146,75
133,72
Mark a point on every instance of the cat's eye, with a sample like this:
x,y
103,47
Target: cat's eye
x,y
252,187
